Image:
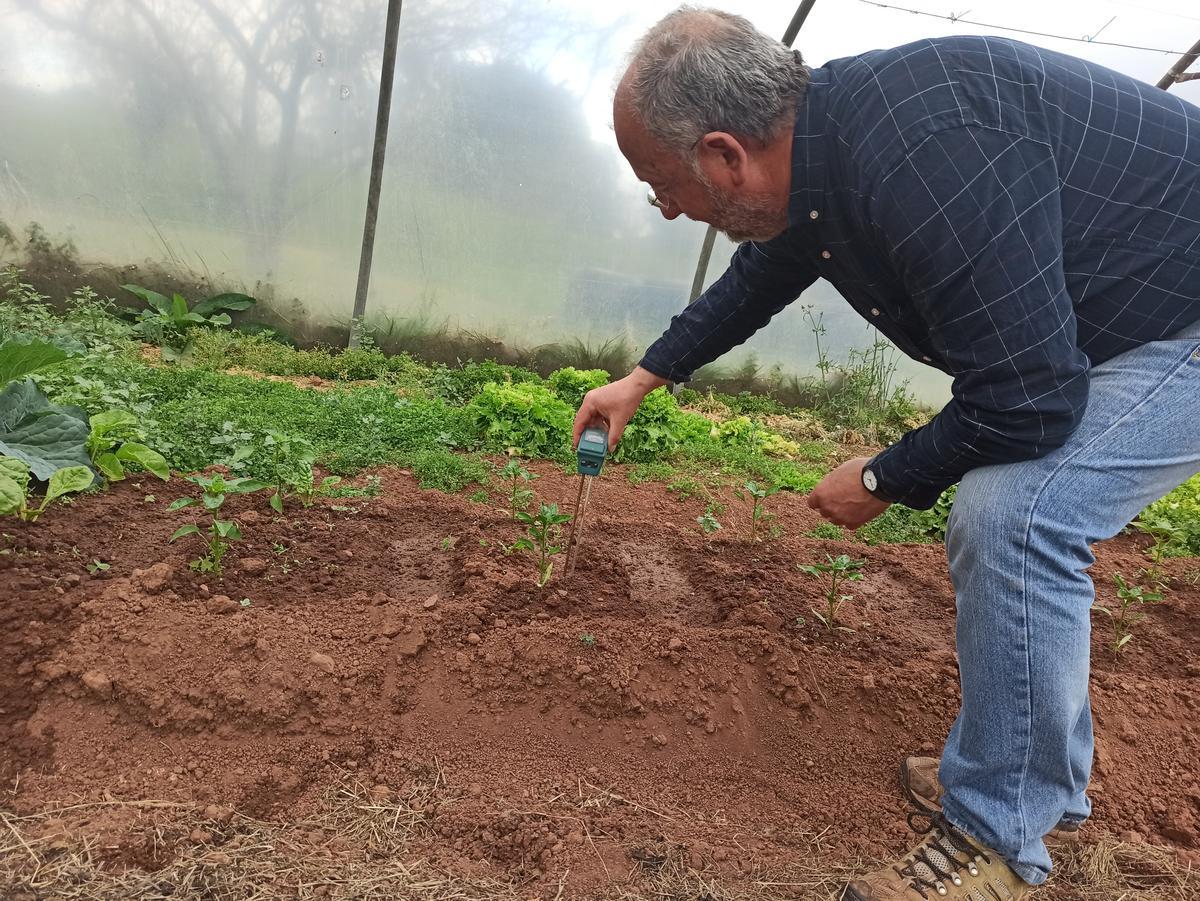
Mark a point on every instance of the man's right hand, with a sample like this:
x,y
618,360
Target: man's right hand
x,y
614,404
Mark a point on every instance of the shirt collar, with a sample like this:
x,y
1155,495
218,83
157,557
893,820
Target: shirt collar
x,y
807,200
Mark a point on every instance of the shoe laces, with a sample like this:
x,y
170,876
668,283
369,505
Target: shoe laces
x,y
941,857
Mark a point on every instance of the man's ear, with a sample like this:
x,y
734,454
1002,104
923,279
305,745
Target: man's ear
x,y
723,159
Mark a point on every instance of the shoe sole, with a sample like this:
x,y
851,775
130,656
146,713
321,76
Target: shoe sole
x,y
1058,835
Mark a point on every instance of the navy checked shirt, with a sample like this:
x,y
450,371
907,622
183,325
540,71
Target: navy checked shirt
x,y
1007,214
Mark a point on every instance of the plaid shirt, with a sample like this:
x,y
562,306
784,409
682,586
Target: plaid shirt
x,y
1004,213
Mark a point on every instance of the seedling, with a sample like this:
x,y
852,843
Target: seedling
x,y
708,522
1167,537
219,532
832,574
517,480
291,465
15,482
760,519
98,566
542,538
588,641
449,542
1132,599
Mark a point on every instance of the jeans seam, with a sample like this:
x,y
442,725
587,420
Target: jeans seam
x,y
1158,386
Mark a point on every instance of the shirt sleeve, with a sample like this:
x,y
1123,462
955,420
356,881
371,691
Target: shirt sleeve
x,y
761,280
972,221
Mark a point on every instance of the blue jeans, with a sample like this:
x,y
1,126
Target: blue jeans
x,y
1019,755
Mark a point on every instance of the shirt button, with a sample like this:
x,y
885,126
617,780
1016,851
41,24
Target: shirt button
x,y
825,255
874,311
814,215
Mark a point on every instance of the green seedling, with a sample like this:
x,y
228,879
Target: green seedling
x,y
98,566
16,481
111,446
708,522
588,641
760,519
832,575
1129,613
290,462
1168,538
542,538
220,532
449,542
517,480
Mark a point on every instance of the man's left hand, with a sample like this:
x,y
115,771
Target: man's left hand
x,y
841,498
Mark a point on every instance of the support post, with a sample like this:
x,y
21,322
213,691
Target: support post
x,y
1177,72
382,117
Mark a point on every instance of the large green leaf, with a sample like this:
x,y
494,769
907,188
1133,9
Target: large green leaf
x,y
18,360
156,300
224,302
68,480
150,460
44,436
111,420
12,496
108,464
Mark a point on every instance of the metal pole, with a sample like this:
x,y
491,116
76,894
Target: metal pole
x,y
1176,74
382,117
710,236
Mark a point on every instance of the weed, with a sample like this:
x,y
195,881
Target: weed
x,y
685,487
449,542
479,497
588,641
542,535
1132,599
831,575
650,472
443,470
826,531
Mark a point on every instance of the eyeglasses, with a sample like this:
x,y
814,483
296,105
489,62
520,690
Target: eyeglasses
x,y
654,201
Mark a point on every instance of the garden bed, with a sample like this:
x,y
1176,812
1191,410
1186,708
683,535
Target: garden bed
x,y
375,701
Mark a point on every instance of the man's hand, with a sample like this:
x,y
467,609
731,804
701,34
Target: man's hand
x,y
615,404
841,498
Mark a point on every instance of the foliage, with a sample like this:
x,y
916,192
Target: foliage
x,y
112,447
45,436
88,321
542,535
289,469
167,322
650,472
760,519
826,531
743,431
458,384
442,470
708,522
831,575
527,419
517,480
16,481
1132,599
652,434
1177,518
214,490
571,384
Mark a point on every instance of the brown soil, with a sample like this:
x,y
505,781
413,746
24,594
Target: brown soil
x,y
659,711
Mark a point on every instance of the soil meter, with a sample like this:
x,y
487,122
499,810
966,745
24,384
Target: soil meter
x,y
590,454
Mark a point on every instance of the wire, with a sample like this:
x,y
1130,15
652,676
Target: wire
x,y
1043,34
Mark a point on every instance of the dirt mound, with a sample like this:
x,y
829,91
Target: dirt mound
x,y
673,704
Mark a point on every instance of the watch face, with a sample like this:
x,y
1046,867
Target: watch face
x,y
869,480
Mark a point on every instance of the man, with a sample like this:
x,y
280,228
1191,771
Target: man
x,y
1028,223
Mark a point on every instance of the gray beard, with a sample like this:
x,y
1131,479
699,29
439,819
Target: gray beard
x,y
758,217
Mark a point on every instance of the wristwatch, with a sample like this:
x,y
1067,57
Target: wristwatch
x,y
871,482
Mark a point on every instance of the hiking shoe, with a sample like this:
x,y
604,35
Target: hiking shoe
x,y
919,777
946,864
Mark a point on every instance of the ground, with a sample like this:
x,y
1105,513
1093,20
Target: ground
x,y
375,701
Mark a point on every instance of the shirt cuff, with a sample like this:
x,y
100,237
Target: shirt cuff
x,y
896,482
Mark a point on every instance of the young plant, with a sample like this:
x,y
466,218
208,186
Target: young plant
x,y
542,535
167,322
1132,599
1168,539
588,641
832,575
220,532
111,447
760,519
708,522
291,465
517,480
16,480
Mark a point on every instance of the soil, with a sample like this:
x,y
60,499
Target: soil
x,y
662,700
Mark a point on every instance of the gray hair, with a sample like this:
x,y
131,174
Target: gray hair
x,y
700,70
